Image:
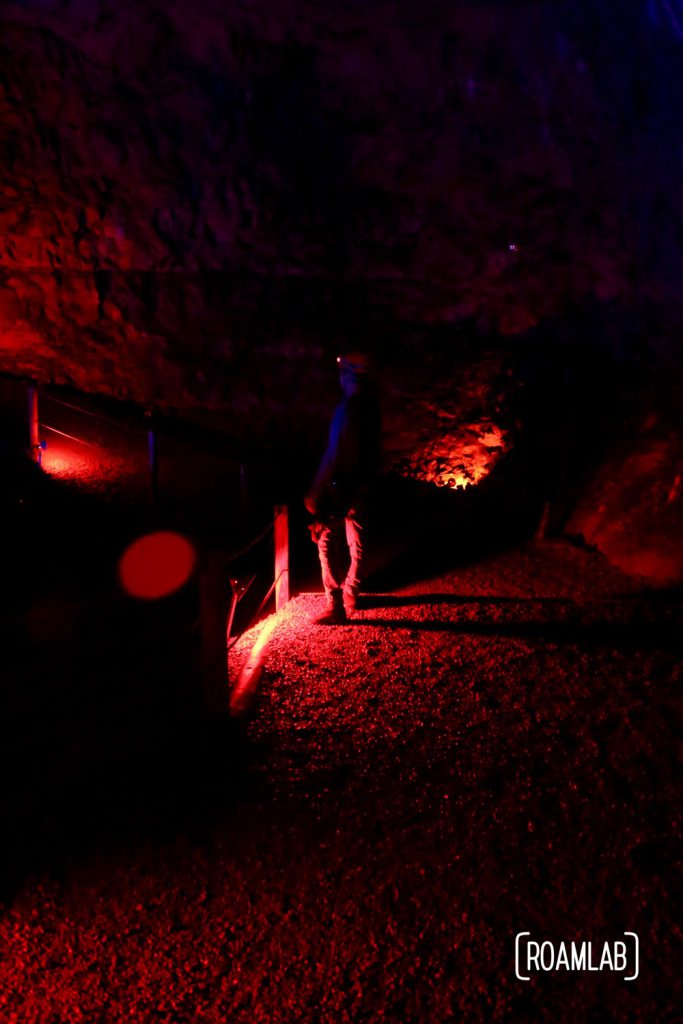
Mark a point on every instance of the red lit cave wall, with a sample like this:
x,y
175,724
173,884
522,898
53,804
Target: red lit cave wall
x,y
201,203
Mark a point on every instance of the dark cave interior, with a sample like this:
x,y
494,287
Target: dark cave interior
x,y
201,206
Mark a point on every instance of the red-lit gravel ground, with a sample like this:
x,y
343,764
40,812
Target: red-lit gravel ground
x,y
490,752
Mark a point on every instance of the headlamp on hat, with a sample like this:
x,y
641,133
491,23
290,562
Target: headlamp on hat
x,y
355,362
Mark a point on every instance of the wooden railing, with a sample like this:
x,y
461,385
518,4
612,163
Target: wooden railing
x,y
219,593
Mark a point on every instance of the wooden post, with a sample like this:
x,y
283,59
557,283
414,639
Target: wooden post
x,y
281,557
33,424
153,459
214,613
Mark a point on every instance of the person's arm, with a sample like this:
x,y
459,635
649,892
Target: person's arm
x,y
329,463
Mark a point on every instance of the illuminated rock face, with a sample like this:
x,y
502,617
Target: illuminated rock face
x,y
458,459
200,203
632,511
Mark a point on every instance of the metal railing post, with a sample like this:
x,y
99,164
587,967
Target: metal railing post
x,y
34,424
244,495
153,458
281,557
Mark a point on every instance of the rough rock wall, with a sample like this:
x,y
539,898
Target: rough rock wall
x,y
631,509
198,202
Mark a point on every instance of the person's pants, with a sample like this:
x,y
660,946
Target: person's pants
x,y
340,547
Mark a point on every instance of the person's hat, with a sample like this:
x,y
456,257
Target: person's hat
x,y
355,362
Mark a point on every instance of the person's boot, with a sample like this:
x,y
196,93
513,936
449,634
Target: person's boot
x,y
334,614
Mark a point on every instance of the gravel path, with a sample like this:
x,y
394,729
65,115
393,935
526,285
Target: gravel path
x,y
485,753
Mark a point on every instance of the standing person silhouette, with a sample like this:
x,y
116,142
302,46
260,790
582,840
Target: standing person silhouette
x,y
339,495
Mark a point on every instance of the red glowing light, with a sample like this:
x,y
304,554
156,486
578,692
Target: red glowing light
x,y
156,565
245,689
457,458
62,460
